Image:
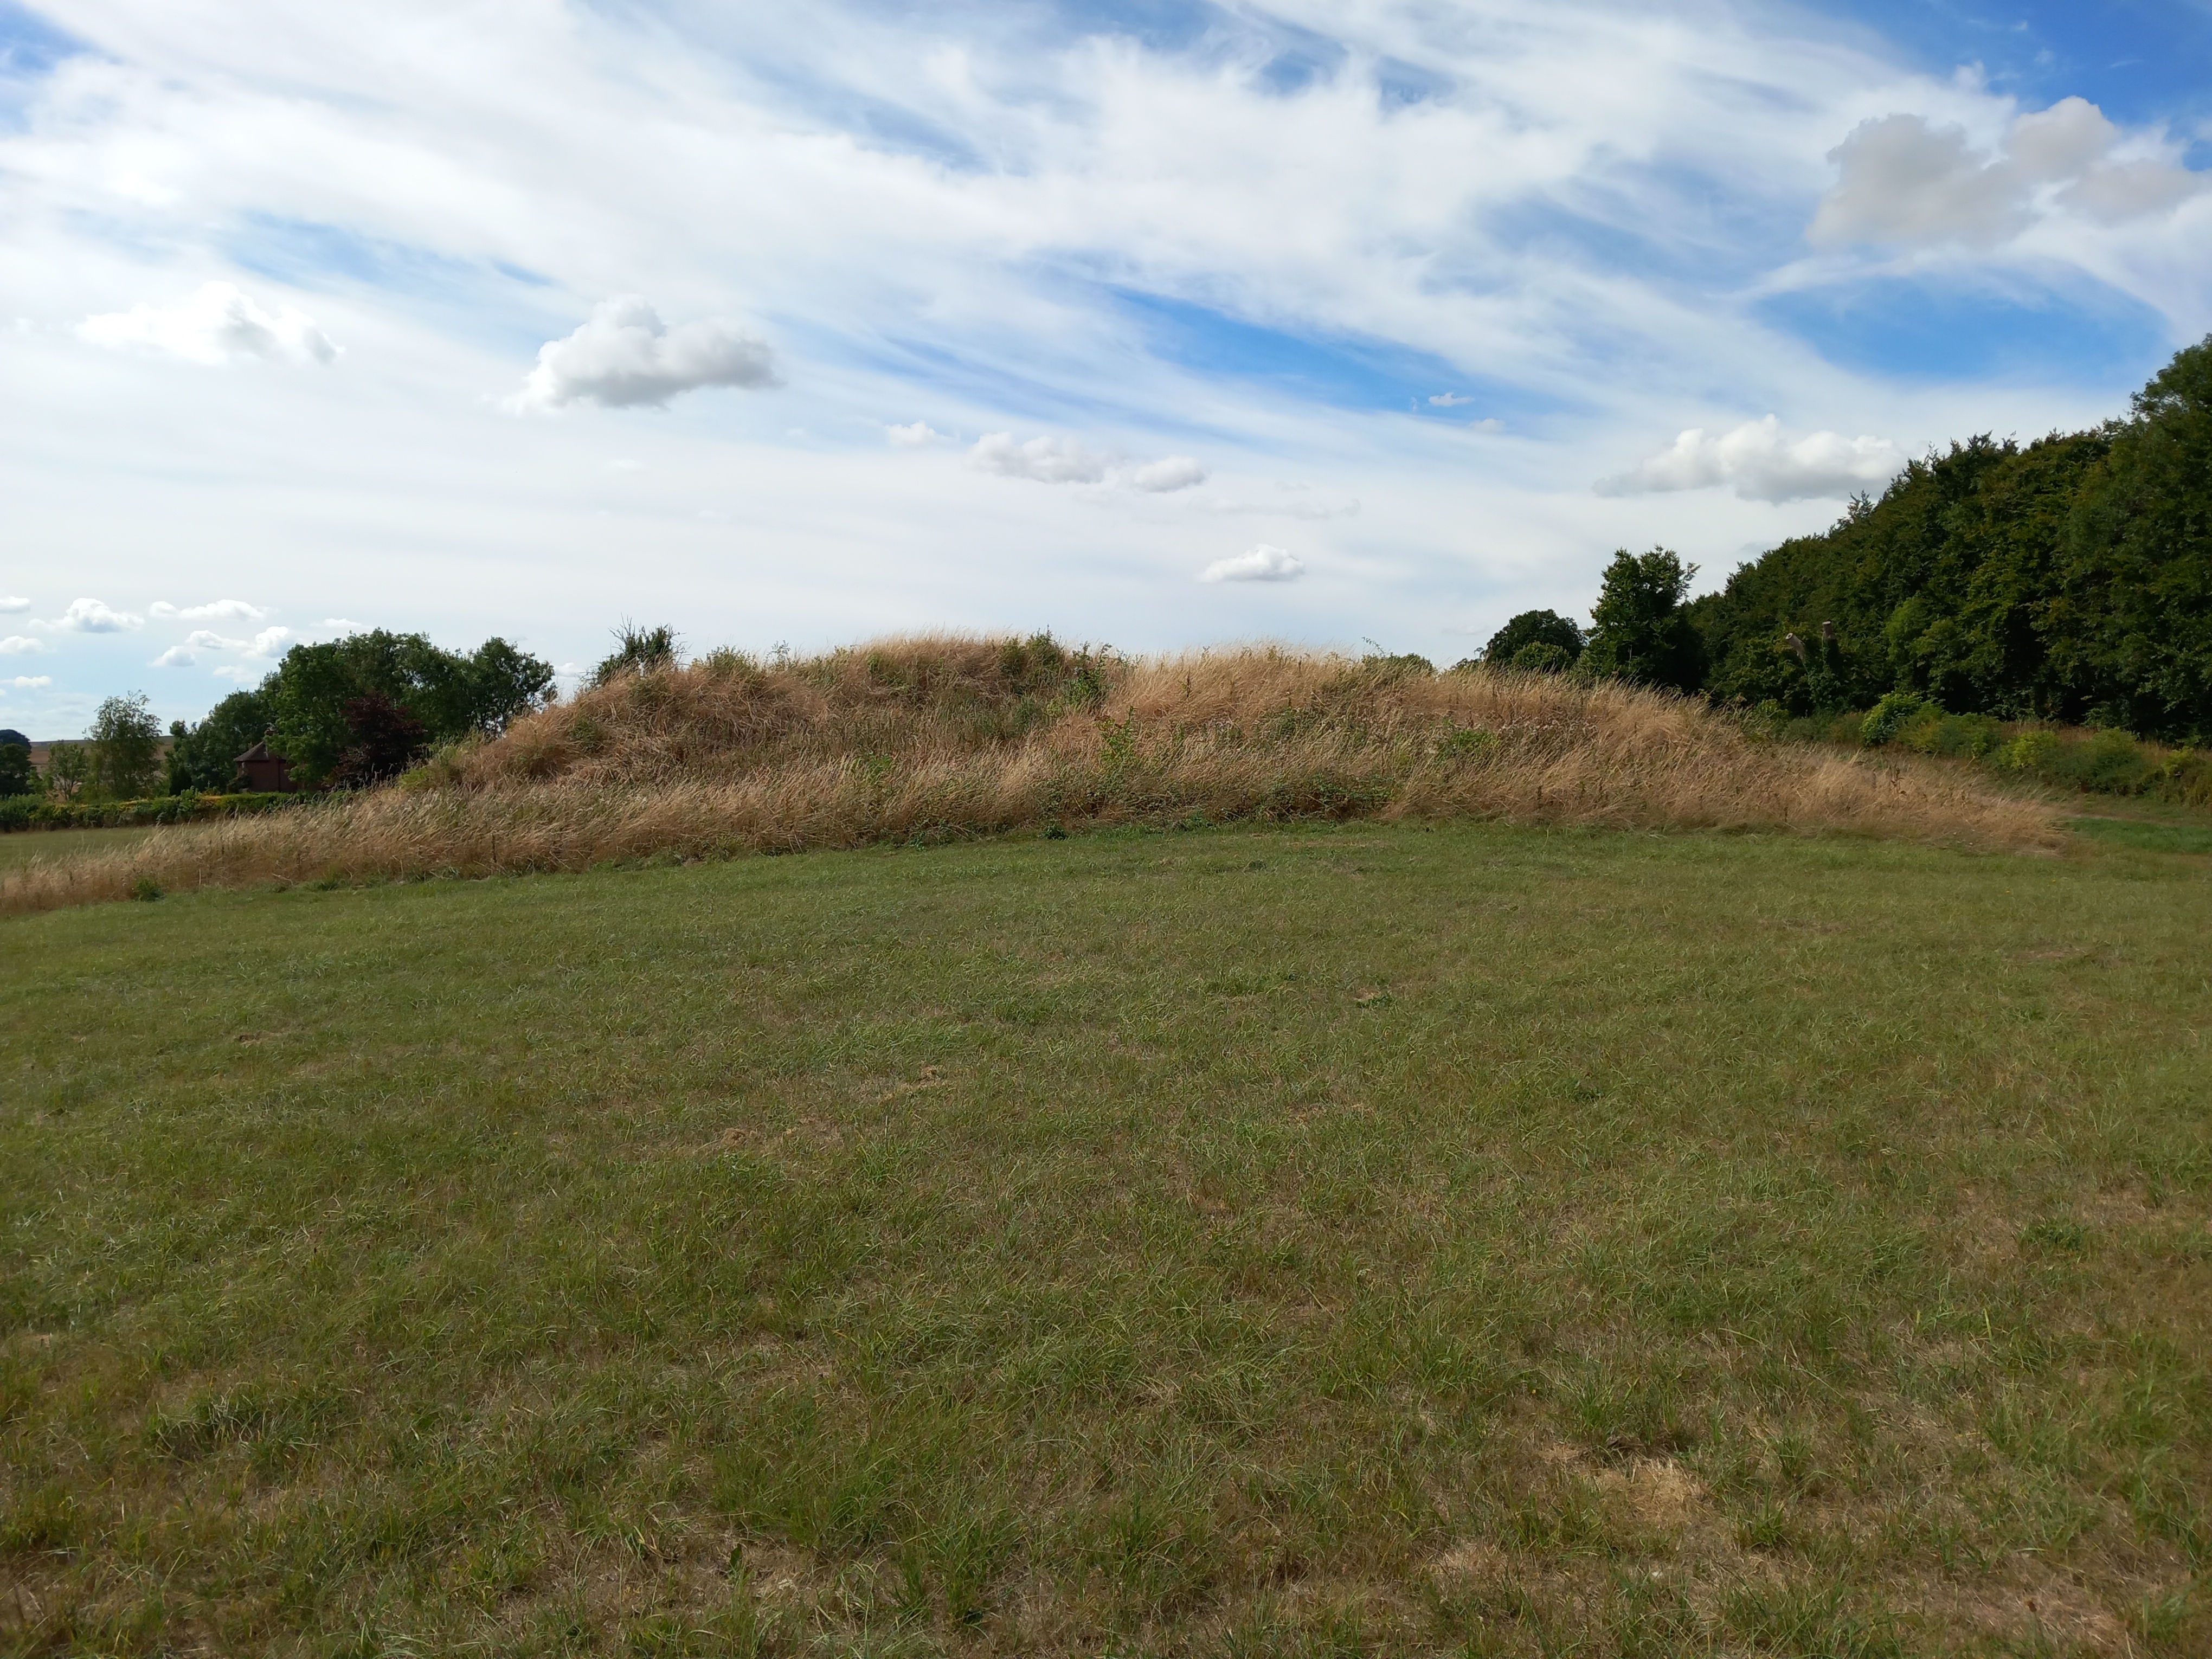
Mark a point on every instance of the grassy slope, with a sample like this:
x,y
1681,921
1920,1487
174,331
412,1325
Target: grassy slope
x,y
26,845
1325,1241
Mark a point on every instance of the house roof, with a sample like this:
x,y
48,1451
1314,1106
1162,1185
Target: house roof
x,y
258,752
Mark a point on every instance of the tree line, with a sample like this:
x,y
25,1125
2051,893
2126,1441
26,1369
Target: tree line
x,y
2068,580
345,713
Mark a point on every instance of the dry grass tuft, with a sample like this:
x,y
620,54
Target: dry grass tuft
x,y
932,738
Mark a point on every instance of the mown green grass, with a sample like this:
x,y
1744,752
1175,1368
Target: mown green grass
x,y
1350,1240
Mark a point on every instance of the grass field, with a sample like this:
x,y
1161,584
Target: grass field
x,y
25,846
1327,1241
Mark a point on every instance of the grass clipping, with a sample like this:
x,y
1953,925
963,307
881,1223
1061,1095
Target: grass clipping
x,y
930,739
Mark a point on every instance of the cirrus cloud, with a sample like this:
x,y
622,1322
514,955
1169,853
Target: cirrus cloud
x,y
625,356
1763,465
1262,563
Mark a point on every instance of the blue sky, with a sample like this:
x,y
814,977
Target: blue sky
x,y
1153,324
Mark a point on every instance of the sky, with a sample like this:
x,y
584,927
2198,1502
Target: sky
x,y
1153,323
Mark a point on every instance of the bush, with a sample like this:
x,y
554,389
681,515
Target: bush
x,y
44,812
1543,657
1891,715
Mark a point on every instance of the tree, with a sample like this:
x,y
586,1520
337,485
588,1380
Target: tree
x,y
385,740
339,708
2069,579
1639,631
205,755
17,776
124,747
2139,563
1533,627
69,766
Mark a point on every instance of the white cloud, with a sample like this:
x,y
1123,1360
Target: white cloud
x,y
1170,472
177,656
9,605
90,617
28,682
1056,460
1763,465
1262,563
268,643
914,436
1904,180
626,357
216,324
1490,424
1449,400
1046,461
223,610
231,671
18,645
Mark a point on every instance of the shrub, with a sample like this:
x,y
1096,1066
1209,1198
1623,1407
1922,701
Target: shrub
x,y
638,651
1543,657
1891,715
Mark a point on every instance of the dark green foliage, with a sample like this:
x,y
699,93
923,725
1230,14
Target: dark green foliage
x,y
205,755
2138,564
1541,657
1533,627
124,749
17,776
370,705
638,651
2071,581
45,812
1640,631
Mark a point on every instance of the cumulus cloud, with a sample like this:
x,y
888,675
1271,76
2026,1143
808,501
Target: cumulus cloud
x,y
1262,563
1046,461
27,681
217,325
176,656
1902,180
626,357
913,436
19,645
213,611
10,605
1170,472
90,617
270,642
1763,465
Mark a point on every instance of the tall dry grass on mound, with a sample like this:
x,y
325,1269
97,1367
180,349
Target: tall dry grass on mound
x,y
934,738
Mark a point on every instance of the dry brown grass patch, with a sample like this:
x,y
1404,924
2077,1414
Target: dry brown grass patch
x,y
926,739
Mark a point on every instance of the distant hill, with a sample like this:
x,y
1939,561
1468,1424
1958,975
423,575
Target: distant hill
x,y
2069,579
